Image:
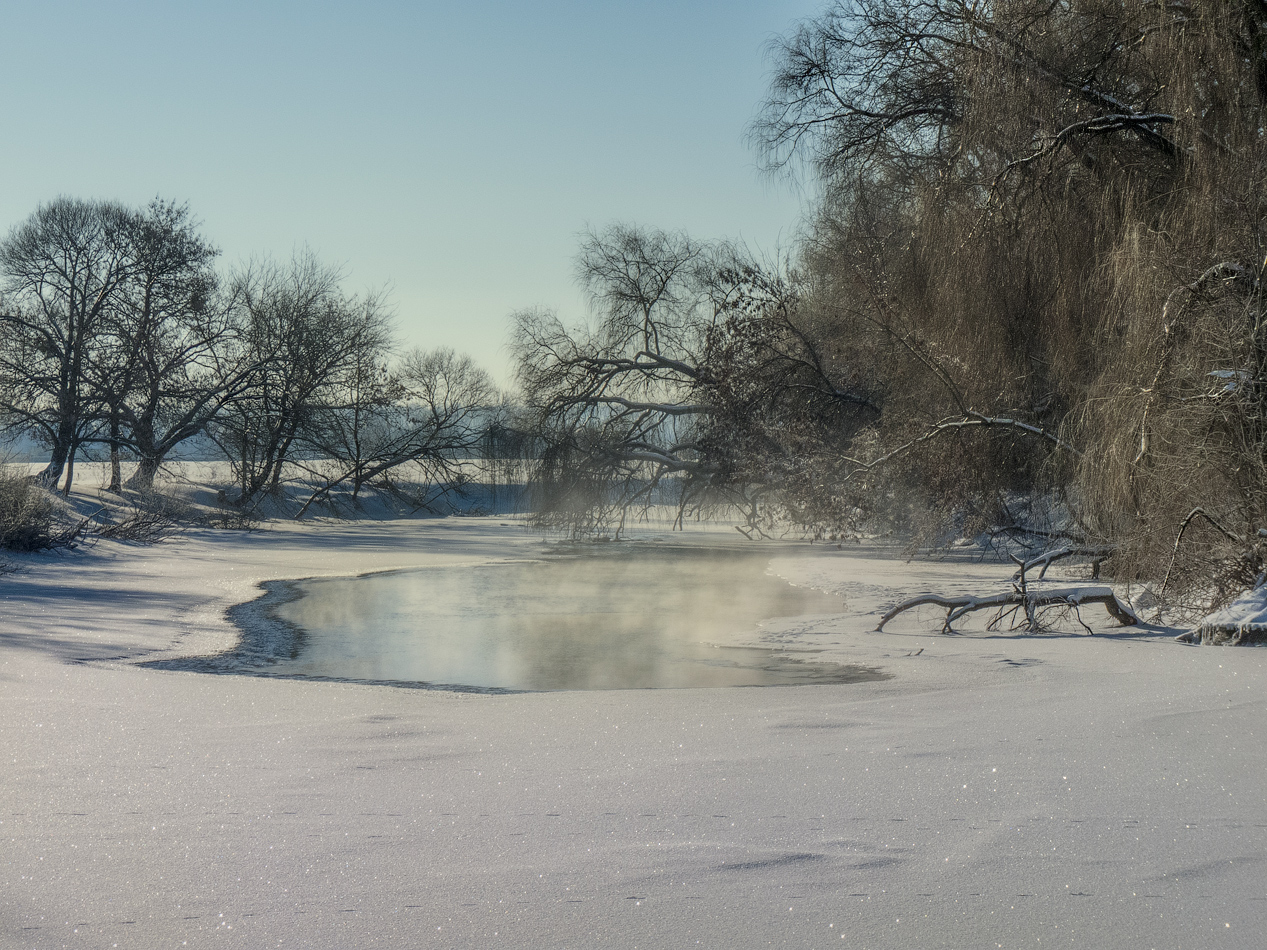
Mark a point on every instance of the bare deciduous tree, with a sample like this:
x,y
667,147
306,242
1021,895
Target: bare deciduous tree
x,y
62,270
299,333
699,373
428,415
161,370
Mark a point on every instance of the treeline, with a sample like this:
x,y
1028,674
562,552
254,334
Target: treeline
x,y
1029,303
120,338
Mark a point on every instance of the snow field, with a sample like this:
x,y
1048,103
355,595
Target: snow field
x,y
1011,791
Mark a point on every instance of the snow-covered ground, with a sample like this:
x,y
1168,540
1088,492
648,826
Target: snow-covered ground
x,y
1244,620
998,791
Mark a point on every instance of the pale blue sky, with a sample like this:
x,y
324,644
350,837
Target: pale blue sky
x,y
452,151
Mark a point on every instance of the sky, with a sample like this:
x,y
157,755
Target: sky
x,y
450,152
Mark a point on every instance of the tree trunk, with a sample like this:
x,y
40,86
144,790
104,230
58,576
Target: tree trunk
x,y
116,476
61,450
70,472
142,479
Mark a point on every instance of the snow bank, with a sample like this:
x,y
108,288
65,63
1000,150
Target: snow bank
x,y
1242,622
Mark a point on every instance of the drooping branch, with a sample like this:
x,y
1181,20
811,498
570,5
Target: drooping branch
x,y
1171,314
668,409
1183,527
1100,125
972,420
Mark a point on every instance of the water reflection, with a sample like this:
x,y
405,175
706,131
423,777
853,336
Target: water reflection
x,y
658,618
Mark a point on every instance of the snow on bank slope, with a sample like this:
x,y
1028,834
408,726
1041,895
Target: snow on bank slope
x,y
1244,620
1000,791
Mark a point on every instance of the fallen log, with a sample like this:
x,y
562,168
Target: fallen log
x,y
1068,598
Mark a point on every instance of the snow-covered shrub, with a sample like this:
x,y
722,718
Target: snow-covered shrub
x,y
29,517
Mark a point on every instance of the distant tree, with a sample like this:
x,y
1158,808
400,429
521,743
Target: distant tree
x,y
61,270
117,331
699,373
353,425
613,399
299,334
427,415
165,365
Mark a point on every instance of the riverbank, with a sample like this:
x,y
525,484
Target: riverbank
x,y
998,790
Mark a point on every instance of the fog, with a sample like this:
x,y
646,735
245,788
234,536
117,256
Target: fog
x,y
646,617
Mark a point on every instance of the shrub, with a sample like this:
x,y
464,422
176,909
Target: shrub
x,y
29,516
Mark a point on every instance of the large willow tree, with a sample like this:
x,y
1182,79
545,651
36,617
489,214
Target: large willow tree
x,y
1029,303
1049,214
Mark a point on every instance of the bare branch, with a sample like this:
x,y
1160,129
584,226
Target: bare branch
x,y
1183,527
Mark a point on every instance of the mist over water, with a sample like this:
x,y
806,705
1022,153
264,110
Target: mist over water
x,y
629,619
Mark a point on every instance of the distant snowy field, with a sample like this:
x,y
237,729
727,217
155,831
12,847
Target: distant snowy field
x,y
999,791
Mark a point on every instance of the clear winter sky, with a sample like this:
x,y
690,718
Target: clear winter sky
x,y
450,150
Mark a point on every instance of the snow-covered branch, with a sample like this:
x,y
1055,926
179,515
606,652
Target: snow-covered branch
x,y
1074,597
1047,558
1100,125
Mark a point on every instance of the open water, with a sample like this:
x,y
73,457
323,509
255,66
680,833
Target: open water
x,y
634,618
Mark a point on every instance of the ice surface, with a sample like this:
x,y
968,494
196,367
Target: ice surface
x,y
1000,790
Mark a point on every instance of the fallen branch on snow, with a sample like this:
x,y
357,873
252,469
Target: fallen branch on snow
x,y
1020,599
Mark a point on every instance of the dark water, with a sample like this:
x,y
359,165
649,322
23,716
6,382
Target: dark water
x,y
636,619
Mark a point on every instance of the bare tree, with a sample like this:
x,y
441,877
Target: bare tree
x,y
699,381
427,415
876,90
163,368
614,399
299,333
118,332
1044,223
61,270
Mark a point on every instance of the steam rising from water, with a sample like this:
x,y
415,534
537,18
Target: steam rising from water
x,y
658,618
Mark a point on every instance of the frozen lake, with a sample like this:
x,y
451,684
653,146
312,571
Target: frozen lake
x,y
621,619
